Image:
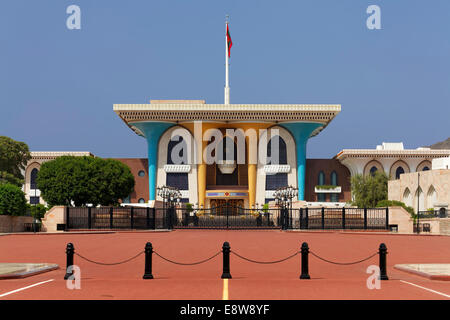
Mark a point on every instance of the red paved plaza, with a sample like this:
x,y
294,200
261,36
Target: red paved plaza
x,y
250,281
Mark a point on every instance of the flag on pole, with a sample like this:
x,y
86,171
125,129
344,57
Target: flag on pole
x,y
229,42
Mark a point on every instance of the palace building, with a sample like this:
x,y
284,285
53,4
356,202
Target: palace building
x,y
166,124
240,154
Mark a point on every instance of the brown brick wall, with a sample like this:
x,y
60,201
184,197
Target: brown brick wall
x,y
314,166
141,183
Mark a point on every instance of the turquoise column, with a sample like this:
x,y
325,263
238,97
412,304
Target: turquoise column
x,y
152,132
301,131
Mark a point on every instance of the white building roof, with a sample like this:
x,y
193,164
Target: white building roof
x,y
188,111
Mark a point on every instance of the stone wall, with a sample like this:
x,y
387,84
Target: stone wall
x,y
405,189
400,217
444,226
52,218
13,223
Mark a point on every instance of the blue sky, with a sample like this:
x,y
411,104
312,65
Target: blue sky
x,y
58,86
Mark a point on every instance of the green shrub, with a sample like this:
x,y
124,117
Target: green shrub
x,y
368,190
37,211
395,203
12,200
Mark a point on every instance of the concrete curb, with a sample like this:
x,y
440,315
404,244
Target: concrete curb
x,y
423,274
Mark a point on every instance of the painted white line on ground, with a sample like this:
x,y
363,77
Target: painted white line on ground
x,y
225,289
24,288
434,291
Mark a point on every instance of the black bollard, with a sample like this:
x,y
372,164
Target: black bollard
x,y
305,268
382,253
148,261
226,261
70,250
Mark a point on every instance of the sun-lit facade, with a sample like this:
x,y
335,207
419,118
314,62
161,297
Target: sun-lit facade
x,y
250,177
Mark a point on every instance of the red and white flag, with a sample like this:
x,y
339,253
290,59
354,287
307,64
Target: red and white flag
x,y
229,42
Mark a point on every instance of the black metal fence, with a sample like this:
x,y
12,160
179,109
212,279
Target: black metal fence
x,y
115,218
226,217
442,213
338,218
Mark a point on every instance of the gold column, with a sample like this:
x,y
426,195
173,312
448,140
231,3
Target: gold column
x,y
251,142
201,181
251,184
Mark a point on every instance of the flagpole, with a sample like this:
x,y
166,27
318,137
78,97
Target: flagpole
x,y
227,84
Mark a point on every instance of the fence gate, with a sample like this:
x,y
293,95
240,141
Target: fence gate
x,y
226,216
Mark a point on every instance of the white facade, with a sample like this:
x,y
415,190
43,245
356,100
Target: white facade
x,y
391,158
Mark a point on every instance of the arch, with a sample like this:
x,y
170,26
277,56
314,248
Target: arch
x,y
28,170
397,168
291,158
373,166
321,178
33,178
280,179
424,165
431,197
321,197
176,151
282,151
229,177
170,139
398,172
334,197
334,178
407,197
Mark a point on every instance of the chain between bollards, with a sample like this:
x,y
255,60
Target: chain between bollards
x,y
382,251
148,261
226,261
70,250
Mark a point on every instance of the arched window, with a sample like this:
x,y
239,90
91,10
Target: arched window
x,y
334,197
321,197
425,168
398,172
175,151
431,197
334,180
33,177
373,170
141,200
321,180
141,173
176,155
407,197
278,180
282,152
